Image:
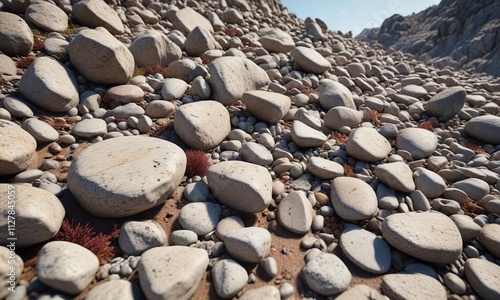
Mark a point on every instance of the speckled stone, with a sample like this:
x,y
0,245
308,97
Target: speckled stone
x,y
412,286
251,244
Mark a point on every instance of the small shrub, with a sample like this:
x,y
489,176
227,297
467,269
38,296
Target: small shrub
x,y
230,32
25,62
340,137
98,243
426,125
475,147
157,69
139,71
38,44
72,29
348,170
204,59
469,208
197,163
374,117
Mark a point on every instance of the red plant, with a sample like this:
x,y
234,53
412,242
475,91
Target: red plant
x,y
204,59
340,137
469,208
230,32
157,69
426,125
98,243
374,117
25,62
197,163
348,170
475,147
38,44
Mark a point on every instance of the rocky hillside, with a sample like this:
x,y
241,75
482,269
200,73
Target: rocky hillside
x,y
457,33
183,149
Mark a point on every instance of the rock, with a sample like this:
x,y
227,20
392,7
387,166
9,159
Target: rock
x,y
361,291
95,13
159,109
475,188
228,225
490,238
9,259
484,128
305,136
341,116
267,106
90,128
429,183
256,154
276,40
90,48
432,236
200,217
173,89
154,49
421,143
324,168
16,38
122,289
268,292
232,76
50,85
250,245
183,237
447,103
128,110
66,267
241,185
18,148
396,175
200,40
105,181
365,249
200,88
41,131
7,65
353,199
196,191
138,236
187,19
232,16
484,277
454,283
125,94
295,213
396,286
229,278
309,60
18,107
202,125
368,145
469,229
172,272
47,17
333,94
270,267
327,275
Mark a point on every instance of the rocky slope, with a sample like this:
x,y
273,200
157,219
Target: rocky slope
x,y
456,33
227,149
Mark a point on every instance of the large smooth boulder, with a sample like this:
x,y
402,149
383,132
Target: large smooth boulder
x,y
309,60
419,142
332,94
100,57
47,16
368,145
200,40
276,40
95,13
232,76
340,116
484,128
186,19
267,106
16,38
123,176
17,149
250,244
447,103
154,49
49,84
202,125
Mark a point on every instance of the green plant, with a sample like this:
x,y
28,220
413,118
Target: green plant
x,y
139,71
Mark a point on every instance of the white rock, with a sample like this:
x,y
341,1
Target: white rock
x,y
8,259
90,128
200,217
267,106
173,89
295,213
361,291
469,229
47,17
187,19
324,168
327,275
41,131
139,236
241,185
256,154
8,66
309,60
196,191
484,128
340,116
332,94
154,49
66,267
18,148
251,244
50,85
270,266
484,277
105,180
368,145
159,109
429,183
16,38
365,249
396,175
419,142
475,188
115,289
268,292
172,272
396,286
229,278
94,13
490,238
183,237
276,40
202,125
429,236
228,225
353,199
305,136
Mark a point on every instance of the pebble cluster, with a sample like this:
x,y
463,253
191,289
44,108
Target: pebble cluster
x,y
370,152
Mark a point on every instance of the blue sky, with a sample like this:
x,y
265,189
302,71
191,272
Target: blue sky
x,y
354,15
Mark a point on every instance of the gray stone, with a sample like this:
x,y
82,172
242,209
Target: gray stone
x,y
396,286
138,236
419,142
309,60
484,128
361,291
50,85
183,237
202,125
267,106
429,183
276,40
90,128
41,131
454,283
18,107
228,225
333,94
196,191
7,65
256,154
340,116
200,40
159,109
327,275
66,267
295,213
324,168
353,199
251,244
229,278
18,148
475,188
469,229
172,272
125,94
154,49
432,236
396,175
305,136
231,77
490,238
270,266
95,13
368,145
105,180
16,38
47,16
9,259
241,185
200,217
187,19
484,277
115,289
268,292
447,103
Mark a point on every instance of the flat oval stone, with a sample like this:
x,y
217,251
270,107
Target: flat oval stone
x,y
105,182
269,292
469,229
309,60
429,236
340,116
353,199
41,131
361,291
365,249
200,217
429,183
421,143
396,175
484,128
295,213
267,106
305,136
475,188
490,238
17,150
125,93
251,244
228,225
368,145
484,277
90,128
396,286
324,168
327,275
47,17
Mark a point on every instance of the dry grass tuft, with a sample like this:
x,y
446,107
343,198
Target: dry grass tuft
x,y
157,69
469,208
348,170
340,137
25,62
426,125
375,117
